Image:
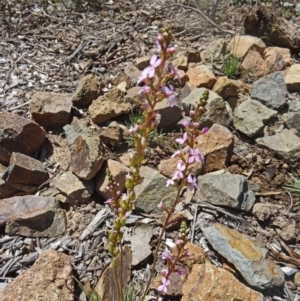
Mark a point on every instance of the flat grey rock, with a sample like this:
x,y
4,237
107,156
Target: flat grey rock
x,y
248,258
285,145
250,117
152,190
217,111
270,90
225,190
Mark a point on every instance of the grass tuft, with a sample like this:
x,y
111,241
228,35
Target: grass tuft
x,y
231,65
293,186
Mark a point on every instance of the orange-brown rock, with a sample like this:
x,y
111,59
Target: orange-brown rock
x,y
239,46
106,286
118,171
210,283
255,64
201,76
216,146
167,167
49,279
277,58
226,87
18,134
51,110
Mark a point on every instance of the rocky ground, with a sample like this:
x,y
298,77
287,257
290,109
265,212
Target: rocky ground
x,y
68,95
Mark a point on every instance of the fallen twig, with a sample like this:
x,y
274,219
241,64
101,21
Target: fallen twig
x,y
206,18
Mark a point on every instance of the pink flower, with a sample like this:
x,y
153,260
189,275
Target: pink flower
x,y
169,93
146,89
160,205
195,156
109,201
134,129
192,182
164,286
174,72
178,242
149,72
171,50
180,168
166,255
165,272
183,139
170,182
180,272
177,153
159,41
185,123
204,130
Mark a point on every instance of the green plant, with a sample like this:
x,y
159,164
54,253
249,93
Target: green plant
x,y
156,135
293,187
231,65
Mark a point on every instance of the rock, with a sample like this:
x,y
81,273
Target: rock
x,y
71,189
203,283
292,78
86,150
193,56
106,286
186,91
18,134
6,190
125,159
146,199
267,21
225,190
255,64
285,145
270,90
216,146
118,171
168,166
25,173
74,129
49,279
294,106
112,135
277,58
108,106
120,78
51,110
32,216
182,80
181,63
291,120
201,76
239,46
216,108
250,117
226,87
88,88
87,156
122,86
297,275
214,50
139,240
142,62
288,233
133,73
265,211
169,115
247,256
